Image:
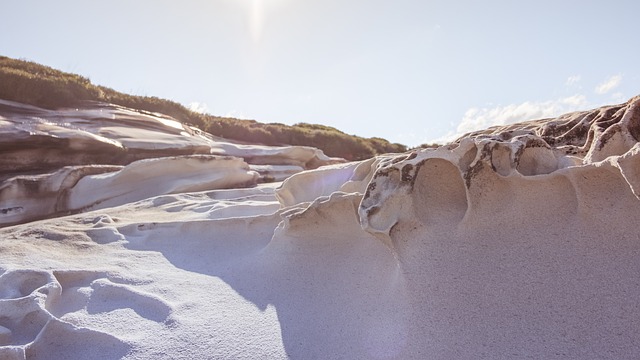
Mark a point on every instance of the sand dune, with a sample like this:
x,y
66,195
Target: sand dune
x,y
518,242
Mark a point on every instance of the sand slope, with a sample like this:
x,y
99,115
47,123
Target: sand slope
x,y
517,242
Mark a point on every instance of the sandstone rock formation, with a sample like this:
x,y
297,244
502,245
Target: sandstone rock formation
x,y
57,162
512,243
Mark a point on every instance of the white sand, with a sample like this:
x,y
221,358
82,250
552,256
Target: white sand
x,y
518,242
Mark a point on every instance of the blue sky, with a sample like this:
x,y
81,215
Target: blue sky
x,y
409,71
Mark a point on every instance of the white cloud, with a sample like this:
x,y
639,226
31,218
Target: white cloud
x,y
236,114
482,118
572,80
445,139
609,84
198,107
479,118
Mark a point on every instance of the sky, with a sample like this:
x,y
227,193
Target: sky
x,y
409,71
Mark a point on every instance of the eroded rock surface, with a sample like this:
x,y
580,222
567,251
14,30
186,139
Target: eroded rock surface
x,y
518,242
456,178
56,162
34,139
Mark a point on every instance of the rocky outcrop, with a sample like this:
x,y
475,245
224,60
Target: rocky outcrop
x,y
518,242
452,182
74,189
56,162
39,140
514,242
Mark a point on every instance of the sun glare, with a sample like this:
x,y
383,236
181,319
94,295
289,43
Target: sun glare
x,y
258,11
256,19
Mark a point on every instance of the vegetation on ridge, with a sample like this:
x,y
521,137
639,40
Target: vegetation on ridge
x,y
34,84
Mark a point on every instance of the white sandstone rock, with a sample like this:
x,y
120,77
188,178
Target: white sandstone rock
x,y
511,243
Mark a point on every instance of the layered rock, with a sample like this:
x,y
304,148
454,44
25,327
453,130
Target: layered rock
x,y
34,139
515,242
456,178
83,188
57,162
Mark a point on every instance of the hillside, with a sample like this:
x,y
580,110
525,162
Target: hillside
x,y
35,84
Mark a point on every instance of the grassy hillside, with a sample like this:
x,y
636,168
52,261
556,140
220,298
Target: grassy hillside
x,y
42,86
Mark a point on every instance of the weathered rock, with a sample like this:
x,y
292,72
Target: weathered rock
x,y
40,140
46,154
